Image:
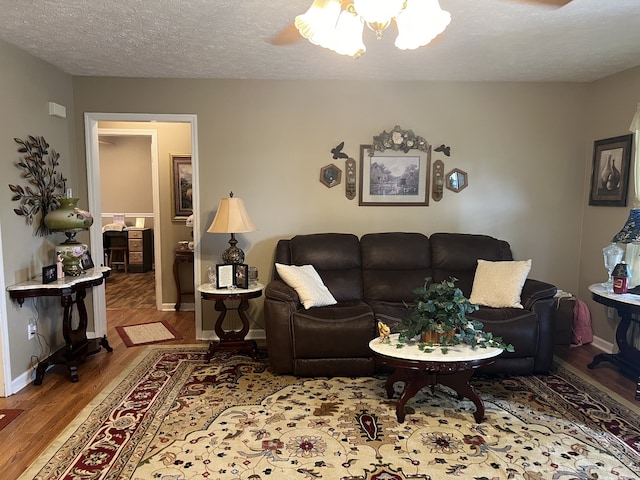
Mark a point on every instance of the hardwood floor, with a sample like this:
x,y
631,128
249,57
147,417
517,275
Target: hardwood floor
x,y
51,406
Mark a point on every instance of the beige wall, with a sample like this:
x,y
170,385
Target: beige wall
x,y
523,145
125,175
27,85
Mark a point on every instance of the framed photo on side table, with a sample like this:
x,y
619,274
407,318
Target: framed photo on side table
x,y
225,275
394,178
242,275
610,173
49,273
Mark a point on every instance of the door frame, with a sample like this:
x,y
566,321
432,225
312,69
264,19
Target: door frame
x,y
91,120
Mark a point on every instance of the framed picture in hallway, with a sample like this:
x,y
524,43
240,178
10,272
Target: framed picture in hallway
x,y
610,173
182,187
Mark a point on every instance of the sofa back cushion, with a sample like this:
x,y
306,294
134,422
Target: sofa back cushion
x,y
393,264
336,257
456,255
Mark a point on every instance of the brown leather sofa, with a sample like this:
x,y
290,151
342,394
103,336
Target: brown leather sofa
x,y
371,278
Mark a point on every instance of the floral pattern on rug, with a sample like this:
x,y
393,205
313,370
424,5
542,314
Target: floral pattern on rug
x,y
177,418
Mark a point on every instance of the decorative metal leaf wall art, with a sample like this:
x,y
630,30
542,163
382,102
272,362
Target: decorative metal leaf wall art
x,y
45,184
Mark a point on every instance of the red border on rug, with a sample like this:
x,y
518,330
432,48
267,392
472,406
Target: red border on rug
x,y
7,415
127,341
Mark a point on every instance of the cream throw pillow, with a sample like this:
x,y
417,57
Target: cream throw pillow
x,y
307,283
499,284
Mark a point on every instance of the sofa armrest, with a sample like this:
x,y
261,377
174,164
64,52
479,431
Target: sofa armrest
x,y
280,291
281,301
534,290
538,297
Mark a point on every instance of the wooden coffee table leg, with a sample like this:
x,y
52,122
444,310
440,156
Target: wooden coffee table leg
x,y
414,382
459,381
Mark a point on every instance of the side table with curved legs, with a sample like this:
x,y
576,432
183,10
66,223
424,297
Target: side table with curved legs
x,y
231,339
418,369
628,356
77,345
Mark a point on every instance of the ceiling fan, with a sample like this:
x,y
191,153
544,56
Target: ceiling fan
x,y
338,24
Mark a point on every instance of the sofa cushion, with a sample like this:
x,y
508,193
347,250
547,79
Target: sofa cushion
x,y
307,283
393,265
456,255
517,327
336,257
499,284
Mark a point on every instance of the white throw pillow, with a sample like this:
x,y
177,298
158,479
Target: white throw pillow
x,y
499,284
307,283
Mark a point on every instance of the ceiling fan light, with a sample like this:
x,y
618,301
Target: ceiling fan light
x,y
378,12
348,35
419,23
318,23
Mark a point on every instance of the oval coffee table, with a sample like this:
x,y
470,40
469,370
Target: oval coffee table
x,y
418,369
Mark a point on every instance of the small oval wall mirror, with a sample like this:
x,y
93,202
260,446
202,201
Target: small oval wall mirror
x,y
457,180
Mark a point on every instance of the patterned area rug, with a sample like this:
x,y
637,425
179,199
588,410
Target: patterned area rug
x,y
175,417
147,333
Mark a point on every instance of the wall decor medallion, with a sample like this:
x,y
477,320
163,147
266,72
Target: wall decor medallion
x,y
457,180
394,178
46,185
399,140
330,175
610,174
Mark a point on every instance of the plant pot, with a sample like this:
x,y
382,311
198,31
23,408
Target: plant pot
x,y
438,338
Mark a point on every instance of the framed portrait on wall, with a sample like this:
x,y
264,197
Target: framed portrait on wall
x,y
182,186
394,178
610,172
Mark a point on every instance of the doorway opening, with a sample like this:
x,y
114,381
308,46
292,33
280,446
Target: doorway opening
x,y
101,125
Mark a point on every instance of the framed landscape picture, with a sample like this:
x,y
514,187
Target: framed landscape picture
x,y
394,178
182,186
610,173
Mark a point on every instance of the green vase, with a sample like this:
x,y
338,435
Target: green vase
x,y
68,216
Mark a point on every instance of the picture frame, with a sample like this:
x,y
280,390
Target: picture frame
x,y
86,261
394,178
241,275
225,276
610,171
182,186
49,273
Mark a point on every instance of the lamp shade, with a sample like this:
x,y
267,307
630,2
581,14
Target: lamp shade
x,y
630,232
231,217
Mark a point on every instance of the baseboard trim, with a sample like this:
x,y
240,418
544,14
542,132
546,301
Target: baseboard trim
x,y
603,345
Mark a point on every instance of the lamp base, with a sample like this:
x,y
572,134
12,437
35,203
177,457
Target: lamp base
x,y
233,255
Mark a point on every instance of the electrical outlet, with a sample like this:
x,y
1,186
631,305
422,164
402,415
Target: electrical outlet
x,y
611,313
32,328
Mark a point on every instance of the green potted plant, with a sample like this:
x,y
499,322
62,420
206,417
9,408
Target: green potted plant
x,y
438,316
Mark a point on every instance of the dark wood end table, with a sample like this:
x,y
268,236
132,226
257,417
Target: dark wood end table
x,y
180,255
628,357
232,339
77,345
418,369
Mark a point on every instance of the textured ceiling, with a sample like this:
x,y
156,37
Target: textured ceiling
x,y
487,40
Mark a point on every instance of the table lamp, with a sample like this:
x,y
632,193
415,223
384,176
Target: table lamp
x,y
232,217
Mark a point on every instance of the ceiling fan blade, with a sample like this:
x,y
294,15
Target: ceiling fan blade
x,y
550,3
287,36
